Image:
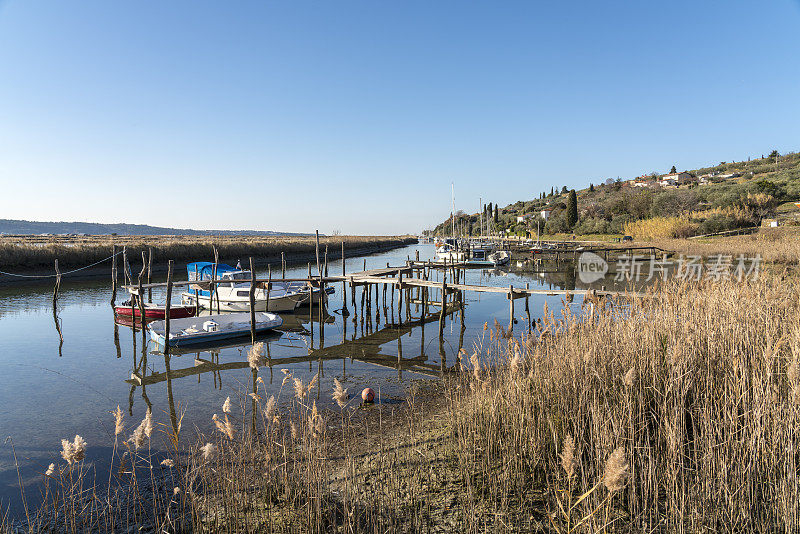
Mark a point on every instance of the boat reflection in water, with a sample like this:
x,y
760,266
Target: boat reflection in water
x,y
285,346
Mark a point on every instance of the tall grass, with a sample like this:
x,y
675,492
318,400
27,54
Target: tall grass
x,y
77,252
677,411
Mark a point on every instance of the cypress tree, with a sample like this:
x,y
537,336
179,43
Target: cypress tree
x,y
572,209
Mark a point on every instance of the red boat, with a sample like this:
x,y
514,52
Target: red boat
x,y
155,311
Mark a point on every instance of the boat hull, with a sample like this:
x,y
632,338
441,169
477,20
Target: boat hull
x,y
156,312
286,303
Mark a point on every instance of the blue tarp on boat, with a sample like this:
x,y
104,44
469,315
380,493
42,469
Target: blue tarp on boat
x,y
202,270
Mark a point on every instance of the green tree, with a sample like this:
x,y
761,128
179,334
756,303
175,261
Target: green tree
x,y
552,191
496,215
673,170
774,154
591,188
572,209
564,190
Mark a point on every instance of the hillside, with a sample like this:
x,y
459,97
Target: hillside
x,y
18,227
700,201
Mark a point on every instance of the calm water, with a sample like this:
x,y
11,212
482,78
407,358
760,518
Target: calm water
x,y
52,391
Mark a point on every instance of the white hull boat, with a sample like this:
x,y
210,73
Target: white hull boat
x,y
232,290
501,257
210,328
279,301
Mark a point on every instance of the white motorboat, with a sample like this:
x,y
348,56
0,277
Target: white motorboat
x,y
232,291
501,257
211,328
449,253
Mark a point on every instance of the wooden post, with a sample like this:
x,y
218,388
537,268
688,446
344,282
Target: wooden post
x,y
168,305
325,269
527,308
214,279
113,274
444,306
283,266
149,273
269,285
197,293
400,297
253,301
141,292
345,313
125,266
511,308
319,271
58,284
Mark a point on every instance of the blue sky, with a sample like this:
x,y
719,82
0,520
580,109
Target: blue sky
x,y
356,116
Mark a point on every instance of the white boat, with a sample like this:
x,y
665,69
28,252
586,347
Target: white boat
x,y
449,253
210,328
306,297
232,291
501,257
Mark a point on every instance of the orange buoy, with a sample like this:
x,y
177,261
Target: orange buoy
x,y
368,396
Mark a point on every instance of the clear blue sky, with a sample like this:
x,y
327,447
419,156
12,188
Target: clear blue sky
x,y
356,116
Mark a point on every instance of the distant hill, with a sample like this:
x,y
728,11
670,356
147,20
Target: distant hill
x,y
18,227
712,199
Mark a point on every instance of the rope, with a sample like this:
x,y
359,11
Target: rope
x,y
62,274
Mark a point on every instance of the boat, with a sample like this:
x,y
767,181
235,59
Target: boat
x,y
208,328
306,297
449,252
154,311
501,257
232,290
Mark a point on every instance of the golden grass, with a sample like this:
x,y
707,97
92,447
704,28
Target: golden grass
x,y
80,251
661,227
775,245
674,412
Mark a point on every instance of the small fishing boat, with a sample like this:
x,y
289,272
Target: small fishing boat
x,y
208,328
232,290
154,311
450,253
306,297
501,257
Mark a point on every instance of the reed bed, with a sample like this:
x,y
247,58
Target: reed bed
x,y
677,411
32,252
774,245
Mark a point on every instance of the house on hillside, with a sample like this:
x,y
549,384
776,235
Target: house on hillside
x,y
679,178
523,218
545,213
668,181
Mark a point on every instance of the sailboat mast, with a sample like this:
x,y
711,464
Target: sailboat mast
x,y
453,208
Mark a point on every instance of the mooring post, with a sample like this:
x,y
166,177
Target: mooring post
x,y
113,274
197,293
214,278
253,302
444,306
149,273
269,285
58,284
283,266
319,271
168,305
527,308
141,296
125,266
400,297
325,269
511,308
344,286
